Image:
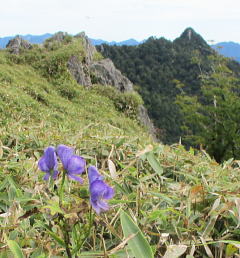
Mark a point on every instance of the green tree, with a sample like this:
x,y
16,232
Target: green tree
x,y
212,119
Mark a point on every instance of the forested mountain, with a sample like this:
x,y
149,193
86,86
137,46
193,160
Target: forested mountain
x,y
163,70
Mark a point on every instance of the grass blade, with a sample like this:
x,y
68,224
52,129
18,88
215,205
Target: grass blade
x,y
15,249
154,163
138,244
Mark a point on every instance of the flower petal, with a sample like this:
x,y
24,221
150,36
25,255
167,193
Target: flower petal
x,y
46,177
100,192
50,157
93,174
95,206
43,165
109,193
97,189
103,205
76,165
49,160
55,174
65,153
76,178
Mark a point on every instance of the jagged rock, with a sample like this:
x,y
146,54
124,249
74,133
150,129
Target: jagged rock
x,y
59,36
89,48
16,44
79,71
104,72
88,72
146,121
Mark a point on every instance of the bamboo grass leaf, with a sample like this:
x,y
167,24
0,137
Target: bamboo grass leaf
x,y
15,249
138,244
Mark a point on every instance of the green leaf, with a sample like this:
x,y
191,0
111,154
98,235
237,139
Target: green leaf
x,y
138,243
53,207
56,238
154,163
164,197
175,251
231,250
91,254
15,249
51,233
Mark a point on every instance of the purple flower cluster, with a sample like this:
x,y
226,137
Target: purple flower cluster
x,y
72,164
75,165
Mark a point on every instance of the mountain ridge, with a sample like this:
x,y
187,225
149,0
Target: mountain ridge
x,y
226,48
163,69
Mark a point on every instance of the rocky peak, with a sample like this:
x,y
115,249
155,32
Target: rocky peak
x,y
104,72
90,71
59,36
89,48
16,44
190,38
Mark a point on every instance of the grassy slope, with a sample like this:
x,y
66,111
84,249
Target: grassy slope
x,y
166,190
32,106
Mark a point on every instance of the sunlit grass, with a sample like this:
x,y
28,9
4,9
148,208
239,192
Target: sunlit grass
x,y
176,197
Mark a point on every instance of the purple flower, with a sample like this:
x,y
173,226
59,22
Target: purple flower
x,y
48,163
100,192
93,174
73,164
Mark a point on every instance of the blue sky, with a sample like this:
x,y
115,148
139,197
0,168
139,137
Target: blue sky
x,y
122,19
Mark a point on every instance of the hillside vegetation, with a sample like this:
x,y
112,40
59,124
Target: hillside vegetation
x,y
163,70
168,201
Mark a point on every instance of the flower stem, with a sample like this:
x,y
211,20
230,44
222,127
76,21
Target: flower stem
x,y
61,189
79,246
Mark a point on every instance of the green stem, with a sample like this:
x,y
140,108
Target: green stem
x,y
61,189
79,246
65,230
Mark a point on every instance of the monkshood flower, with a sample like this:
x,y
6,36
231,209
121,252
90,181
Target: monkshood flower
x,y
100,192
48,163
72,164
93,174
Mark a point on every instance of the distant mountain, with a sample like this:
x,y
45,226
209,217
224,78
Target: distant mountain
x,y
38,39
34,39
129,42
228,49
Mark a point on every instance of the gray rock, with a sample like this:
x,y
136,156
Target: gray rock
x,y
59,36
104,72
146,121
16,44
89,71
79,71
89,48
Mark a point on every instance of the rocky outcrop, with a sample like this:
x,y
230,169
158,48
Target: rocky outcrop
x,y
79,71
101,72
146,121
89,48
59,36
88,71
104,72
16,44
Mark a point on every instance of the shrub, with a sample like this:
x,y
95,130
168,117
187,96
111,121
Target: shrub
x,y
127,102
